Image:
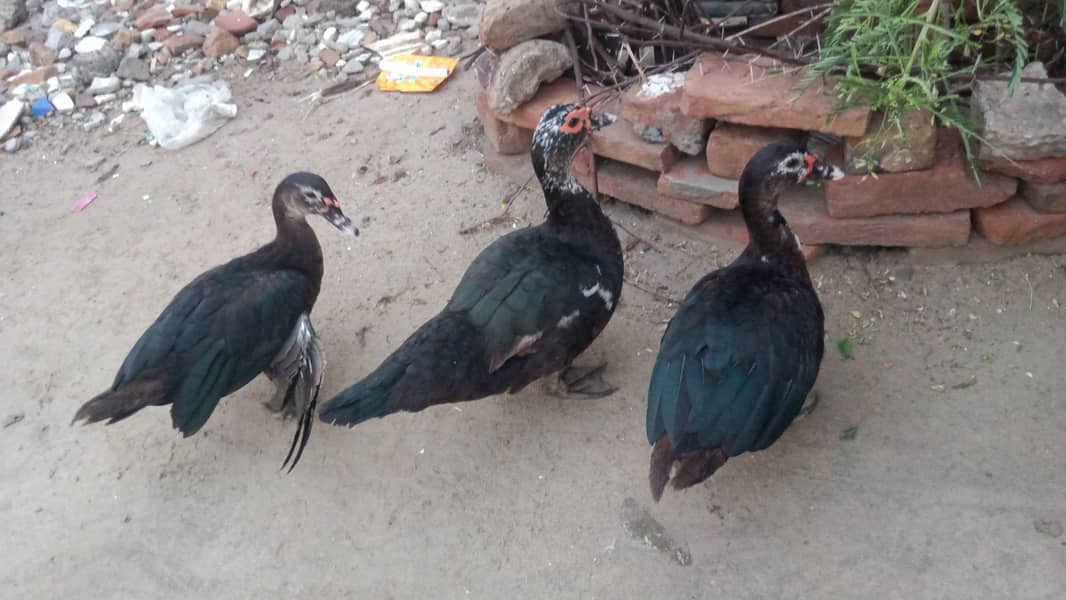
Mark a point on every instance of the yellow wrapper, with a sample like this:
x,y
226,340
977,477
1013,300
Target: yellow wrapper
x,y
414,73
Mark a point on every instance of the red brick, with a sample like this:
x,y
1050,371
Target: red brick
x,y
806,214
183,42
689,179
157,16
1045,197
14,37
730,147
36,76
220,42
560,91
285,12
637,186
162,34
945,188
1046,170
751,91
657,103
727,227
1015,221
505,138
183,11
236,22
617,141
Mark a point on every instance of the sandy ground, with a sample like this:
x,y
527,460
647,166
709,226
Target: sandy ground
x,y
938,493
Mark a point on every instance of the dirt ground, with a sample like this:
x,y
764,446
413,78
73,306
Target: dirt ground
x,y
932,468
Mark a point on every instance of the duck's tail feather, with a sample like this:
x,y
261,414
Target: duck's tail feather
x,y
696,467
662,461
117,404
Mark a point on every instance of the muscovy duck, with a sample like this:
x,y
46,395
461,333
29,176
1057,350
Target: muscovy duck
x,y
248,316
527,306
740,356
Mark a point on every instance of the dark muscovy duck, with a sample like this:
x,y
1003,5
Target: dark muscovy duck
x,y
740,356
233,322
530,303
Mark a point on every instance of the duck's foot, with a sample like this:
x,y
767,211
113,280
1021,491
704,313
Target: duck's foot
x,y
281,404
585,382
808,405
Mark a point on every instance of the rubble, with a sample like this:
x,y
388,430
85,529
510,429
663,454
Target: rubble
x,y
79,61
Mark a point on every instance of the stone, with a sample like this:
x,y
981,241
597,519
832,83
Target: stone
x,y
430,6
89,44
462,15
105,30
34,77
1045,197
13,144
134,68
186,10
731,146
104,85
10,113
236,22
62,102
407,25
95,64
521,71
14,37
65,25
64,53
1044,170
329,57
352,67
689,179
617,141
124,38
506,23
12,12
268,28
42,55
637,186
255,54
157,16
505,138
198,27
804,209
258,9
220,43
656,105
1029,125
84,100
884,149
58,38
946,187
183,42
84,26
750,91
352,38
1015,222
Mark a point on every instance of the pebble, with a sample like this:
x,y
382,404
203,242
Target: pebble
x,y
286,53
9,115
63,102
84,27
421,18
432,36
432,6
329,34
13,144
362,6
407,25
352,38
255,54
104,98
104,85
353,67
64,54
90,44
105,30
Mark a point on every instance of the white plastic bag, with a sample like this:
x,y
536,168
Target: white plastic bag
x,y
186,114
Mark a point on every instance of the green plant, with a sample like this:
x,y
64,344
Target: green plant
x,y
898,55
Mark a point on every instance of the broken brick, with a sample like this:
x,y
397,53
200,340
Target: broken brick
x,y
236,22
1044,170
806,213
1015,221
946,187
618,141
183,42
730,146
656,103
505,138
689,179
637,186
157,16
1045,197
36,76
751,91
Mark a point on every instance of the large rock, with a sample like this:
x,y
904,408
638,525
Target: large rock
x,y
506,23
95,64
655,105
1029,125
743,89
885,148
521,71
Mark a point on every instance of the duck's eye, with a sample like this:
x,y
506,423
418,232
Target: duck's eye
x,y
572,123
793,163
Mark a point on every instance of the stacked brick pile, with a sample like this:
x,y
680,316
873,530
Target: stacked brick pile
x,y
683,140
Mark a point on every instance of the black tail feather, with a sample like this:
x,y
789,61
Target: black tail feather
x,y
115,405
303,432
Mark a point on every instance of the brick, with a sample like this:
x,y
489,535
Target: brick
x,y
727,227
236,22
1045,170
731,146
183,42
657,103
752,92
1015,221
186,10
1045,197
505,138
945,188
36,76
806,213
618,141
637,186
560,91
689,179
157,16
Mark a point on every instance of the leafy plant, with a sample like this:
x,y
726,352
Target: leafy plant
x,y
849,433
897,55
844,346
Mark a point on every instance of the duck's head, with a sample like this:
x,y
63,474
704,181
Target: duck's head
x,y
778,165
562,131
301,194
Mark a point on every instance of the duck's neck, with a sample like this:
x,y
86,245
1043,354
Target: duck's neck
x,y
296,246
570,205
770,238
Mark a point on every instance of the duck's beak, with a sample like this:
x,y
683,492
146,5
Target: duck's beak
x,y
332,213
819,169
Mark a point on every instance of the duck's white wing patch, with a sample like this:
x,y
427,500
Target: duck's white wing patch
x,y
604,294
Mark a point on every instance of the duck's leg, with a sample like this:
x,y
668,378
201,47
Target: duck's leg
x,y
297,373
585,381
